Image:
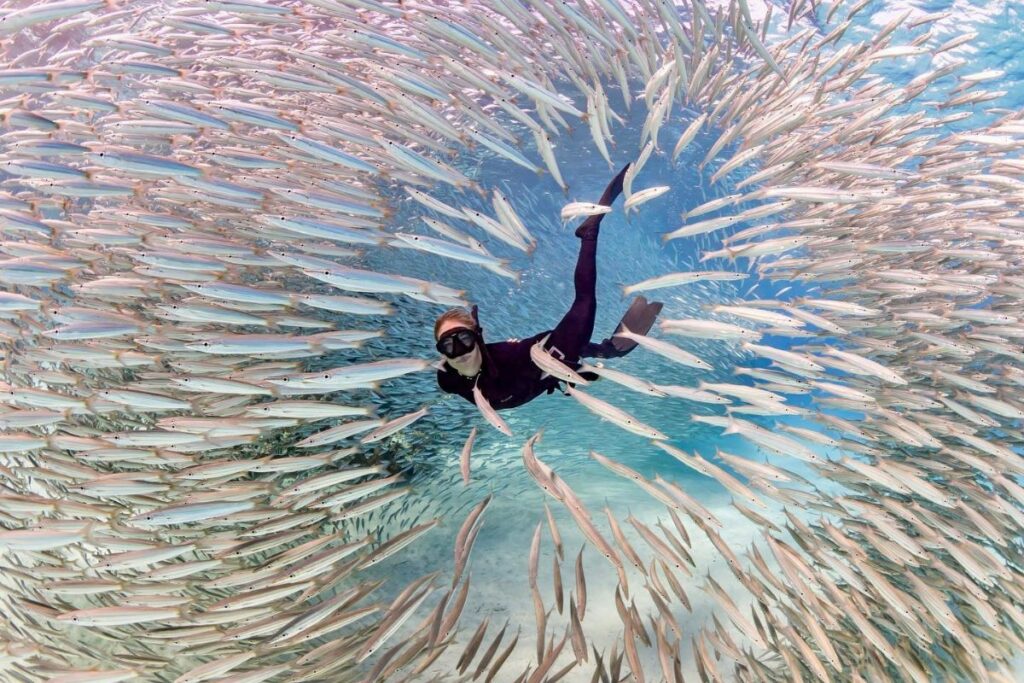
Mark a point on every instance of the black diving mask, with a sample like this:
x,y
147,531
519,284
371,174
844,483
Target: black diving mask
x,y
457,342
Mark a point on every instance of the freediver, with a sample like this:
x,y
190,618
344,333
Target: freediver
x,y
504,372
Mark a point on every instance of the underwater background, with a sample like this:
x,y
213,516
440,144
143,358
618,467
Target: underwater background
x,y
427,452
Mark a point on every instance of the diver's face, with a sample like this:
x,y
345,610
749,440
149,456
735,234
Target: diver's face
x,y
452,338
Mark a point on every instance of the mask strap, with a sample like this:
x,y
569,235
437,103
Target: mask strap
x,y
476,319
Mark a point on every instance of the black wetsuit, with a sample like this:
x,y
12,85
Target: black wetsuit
x,y
508,377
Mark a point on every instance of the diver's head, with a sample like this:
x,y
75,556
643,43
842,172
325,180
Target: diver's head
x,y
459,337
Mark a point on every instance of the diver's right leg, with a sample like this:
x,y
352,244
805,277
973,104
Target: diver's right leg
x,y
575,328
573,332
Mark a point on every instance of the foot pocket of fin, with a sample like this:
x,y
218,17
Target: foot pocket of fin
x,y
639,319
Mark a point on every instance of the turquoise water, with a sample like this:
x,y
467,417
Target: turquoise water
x,y
631,250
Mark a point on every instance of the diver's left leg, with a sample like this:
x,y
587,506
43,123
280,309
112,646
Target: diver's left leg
x,y
590,225
573,331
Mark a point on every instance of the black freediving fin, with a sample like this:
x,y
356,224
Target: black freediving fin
x,y
639,319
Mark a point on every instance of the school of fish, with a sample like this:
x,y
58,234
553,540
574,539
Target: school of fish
x,y
192,195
